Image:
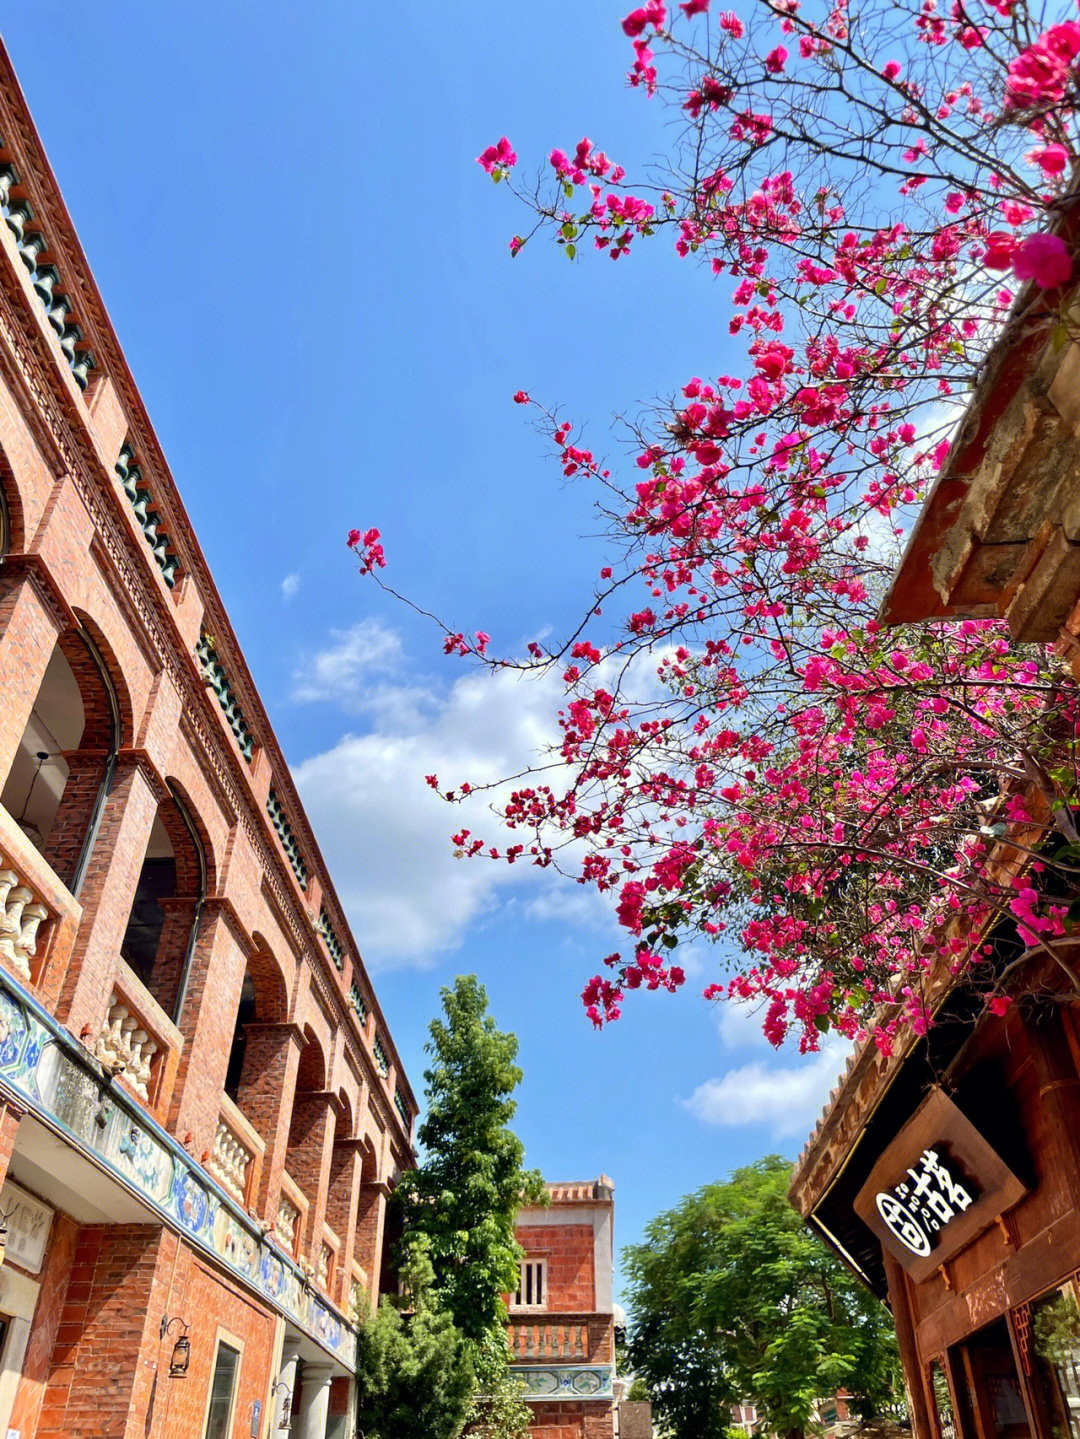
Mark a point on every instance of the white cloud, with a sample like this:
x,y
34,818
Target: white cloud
x,y
289,586
343,671
385,833
788,1099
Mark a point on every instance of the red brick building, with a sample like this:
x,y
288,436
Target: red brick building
x,y
201,1108
561,1328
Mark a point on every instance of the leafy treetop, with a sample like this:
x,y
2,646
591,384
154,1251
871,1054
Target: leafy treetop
x,y
734,1300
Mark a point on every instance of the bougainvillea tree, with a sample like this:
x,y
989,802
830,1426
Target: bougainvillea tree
x,y
751,757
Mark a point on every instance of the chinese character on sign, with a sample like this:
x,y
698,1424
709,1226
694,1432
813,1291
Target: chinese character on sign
x,y
918,1207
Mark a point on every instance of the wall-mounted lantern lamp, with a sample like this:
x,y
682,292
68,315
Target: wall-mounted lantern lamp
x,y
181,1355
286,1403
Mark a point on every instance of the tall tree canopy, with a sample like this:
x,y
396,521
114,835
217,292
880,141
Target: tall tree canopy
x,y
462,1201
743,753
415,1376
458,1255
733,1300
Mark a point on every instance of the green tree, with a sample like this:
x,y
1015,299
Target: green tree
x,y
415,1376
463,1199
497,1410
733,1298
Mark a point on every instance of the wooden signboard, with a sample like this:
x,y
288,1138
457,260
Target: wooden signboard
x,y
936,1186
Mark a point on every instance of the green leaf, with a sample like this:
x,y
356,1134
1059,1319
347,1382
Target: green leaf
x,y
571,251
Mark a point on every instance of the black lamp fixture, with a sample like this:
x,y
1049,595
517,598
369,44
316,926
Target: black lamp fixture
x,y
286,1403
181,1355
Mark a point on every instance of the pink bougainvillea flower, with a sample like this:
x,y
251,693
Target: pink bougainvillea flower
x,y
1044,259
694,7
776,60
1040,74
1000,249
497,157
1051,159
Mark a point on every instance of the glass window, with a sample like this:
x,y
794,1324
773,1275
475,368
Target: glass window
x,y
222,1391
943,1406
530,1293
1056,1335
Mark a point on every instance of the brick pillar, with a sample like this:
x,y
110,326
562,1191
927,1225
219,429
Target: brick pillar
x,y
342,1201
207,1023
370,1224
107,1319
172,950
311,1143
86,770
28,632
112,878
10,1115
265,1098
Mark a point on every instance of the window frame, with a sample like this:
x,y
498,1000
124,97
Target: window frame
x,y
517,1301
236,1344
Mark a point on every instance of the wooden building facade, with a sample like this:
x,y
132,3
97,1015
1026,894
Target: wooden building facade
x,y
948,1174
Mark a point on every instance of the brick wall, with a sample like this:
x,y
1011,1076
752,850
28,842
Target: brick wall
x,y
104,1375
37,1363
99,1339
567,1420
568,1250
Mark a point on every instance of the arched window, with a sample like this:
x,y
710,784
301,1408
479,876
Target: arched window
x,y
263,1001
163,922
60,772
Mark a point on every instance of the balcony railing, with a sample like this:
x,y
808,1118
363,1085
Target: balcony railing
x,y
289,1220
566,1339
138,1043
22,914
237,1152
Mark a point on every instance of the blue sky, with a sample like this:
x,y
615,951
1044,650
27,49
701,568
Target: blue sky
x,y
310,278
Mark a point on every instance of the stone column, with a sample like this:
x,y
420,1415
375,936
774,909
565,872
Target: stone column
x,y
287,1376
310,1422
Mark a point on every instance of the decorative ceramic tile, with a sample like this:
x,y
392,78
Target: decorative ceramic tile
x,y
56,1078
564,1381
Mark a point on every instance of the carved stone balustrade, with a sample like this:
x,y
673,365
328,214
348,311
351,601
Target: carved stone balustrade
x,y
38,915
229,1162
286,1223
138,1043
322,1269
126,1049
237,1153
21,917
556,1339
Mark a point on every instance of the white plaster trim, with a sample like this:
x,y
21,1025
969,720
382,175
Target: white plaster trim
x,y
581,1214
18,1299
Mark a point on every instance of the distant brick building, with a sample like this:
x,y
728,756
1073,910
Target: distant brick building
x,y
561,1329
201,1109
